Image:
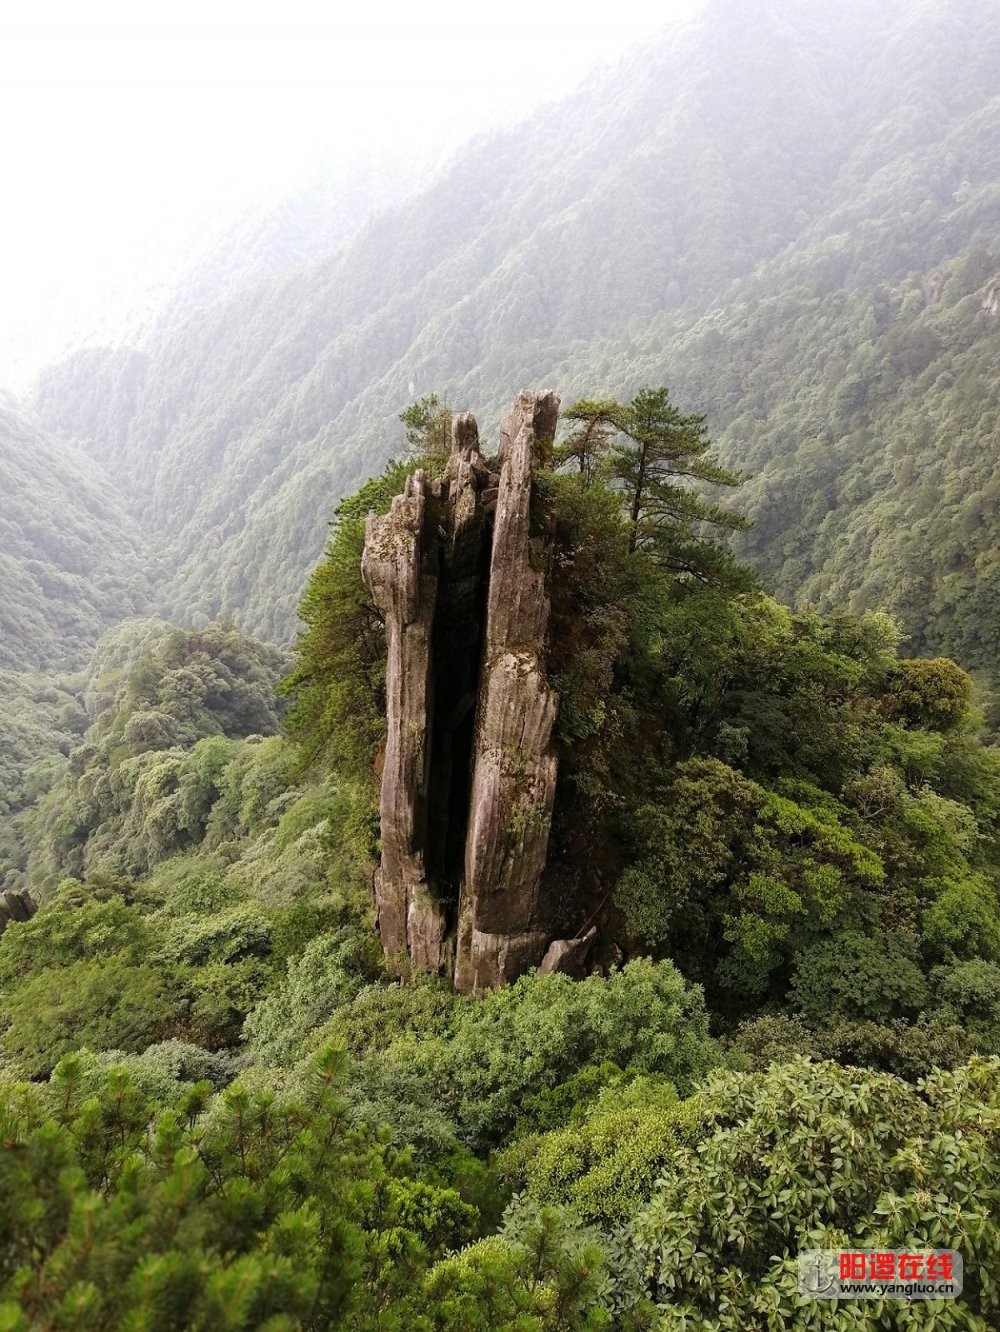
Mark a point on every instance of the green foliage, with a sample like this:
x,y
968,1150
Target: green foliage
x,y
115,962
338,684
859,976
819,1156
604,1165
379,1014
910,1050
443,1070
719,1193
193,885
584,450
738,880
772,798
427,423
74,559
869,479
688,844
536,1033
244,1211
652,454
209,682
163,1071
569,1100
594,586
89,931
541,1275
934,694
968,994
40,720
84,976
242,931
330,971
805,822
106,976
613,588
143,784
963,921
102,1005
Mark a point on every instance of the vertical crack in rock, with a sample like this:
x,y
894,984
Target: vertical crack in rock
x,y
458,645
469,776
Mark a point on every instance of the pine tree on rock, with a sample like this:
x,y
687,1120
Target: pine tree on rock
x,y
658,459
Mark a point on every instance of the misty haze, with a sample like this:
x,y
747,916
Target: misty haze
x,y
499,707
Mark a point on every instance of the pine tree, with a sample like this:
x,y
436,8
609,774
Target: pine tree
x,y
660,461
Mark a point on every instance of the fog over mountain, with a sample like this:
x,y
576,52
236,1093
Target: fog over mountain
x,y
761,211
527,876
72,559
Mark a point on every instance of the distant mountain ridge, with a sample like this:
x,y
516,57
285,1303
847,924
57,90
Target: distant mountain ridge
x,y
72,560
726,212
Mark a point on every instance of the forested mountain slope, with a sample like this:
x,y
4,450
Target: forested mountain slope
x,y
72,562
773,211
800,829
868,415
778,827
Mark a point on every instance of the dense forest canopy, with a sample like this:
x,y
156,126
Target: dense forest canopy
x,y
788,213
773,616
234,1112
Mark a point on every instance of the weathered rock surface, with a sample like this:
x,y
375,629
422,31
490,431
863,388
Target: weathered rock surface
x,y
16,904
400,571
469,777
502,921
568,955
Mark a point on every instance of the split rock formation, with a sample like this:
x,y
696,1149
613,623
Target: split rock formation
x,y
457,569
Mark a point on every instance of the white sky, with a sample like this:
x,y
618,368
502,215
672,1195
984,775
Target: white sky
x,y
127,125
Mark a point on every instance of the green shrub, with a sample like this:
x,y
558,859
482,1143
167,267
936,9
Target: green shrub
x,y
604,1166
963,921
821,1156
935,694
968,995
244,1211
859,976
110,1004
541,1275
378,1014
517,1042
329,972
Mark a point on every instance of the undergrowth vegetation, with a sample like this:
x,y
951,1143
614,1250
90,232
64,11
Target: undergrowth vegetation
x,y
218,1108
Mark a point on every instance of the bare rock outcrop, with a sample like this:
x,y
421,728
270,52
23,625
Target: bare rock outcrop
x,y
502,924
568,955
458,569
400,570
16,904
